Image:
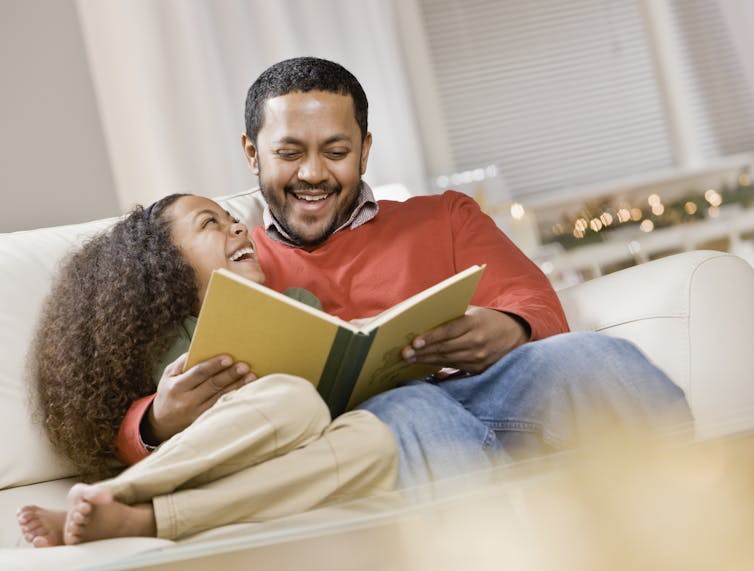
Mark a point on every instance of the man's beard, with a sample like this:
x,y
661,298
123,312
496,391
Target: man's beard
x,y
277,209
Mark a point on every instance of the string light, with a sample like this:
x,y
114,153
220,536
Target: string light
x,y
713,197
517,211
624,215
597,219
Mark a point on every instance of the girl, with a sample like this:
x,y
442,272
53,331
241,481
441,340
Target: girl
x,y
260,448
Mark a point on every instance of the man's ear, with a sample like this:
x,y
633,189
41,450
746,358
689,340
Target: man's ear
x,y
366,144
251,153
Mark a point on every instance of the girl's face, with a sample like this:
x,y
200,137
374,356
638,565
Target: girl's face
x,y
210,238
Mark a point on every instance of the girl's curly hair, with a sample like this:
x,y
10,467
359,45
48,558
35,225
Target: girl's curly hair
x,y
114,310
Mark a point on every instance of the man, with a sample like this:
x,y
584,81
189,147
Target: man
x,y
522,385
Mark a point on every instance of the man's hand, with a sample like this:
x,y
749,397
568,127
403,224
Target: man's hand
x,y
470,343
183,396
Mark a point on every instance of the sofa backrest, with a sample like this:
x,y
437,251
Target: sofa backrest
x,y
28,262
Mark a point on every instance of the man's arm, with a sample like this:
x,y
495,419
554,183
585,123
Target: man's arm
x,y
513,303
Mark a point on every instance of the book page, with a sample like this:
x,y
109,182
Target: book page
x,y
391,312
384,367
272,333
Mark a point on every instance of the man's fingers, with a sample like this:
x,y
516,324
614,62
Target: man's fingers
x,y
462,358
450,330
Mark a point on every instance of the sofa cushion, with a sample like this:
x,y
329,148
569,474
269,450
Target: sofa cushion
x,y
28,262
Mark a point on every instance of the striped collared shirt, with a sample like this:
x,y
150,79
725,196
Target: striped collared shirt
x,y
366,209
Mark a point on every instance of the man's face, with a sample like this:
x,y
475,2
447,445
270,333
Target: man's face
x,y
309,157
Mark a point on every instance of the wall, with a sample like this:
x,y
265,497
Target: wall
x,y
54,168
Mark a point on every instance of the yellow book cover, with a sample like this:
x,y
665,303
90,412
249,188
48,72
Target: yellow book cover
x,y
277,334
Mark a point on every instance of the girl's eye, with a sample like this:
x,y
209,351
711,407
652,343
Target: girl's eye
x,y
208,221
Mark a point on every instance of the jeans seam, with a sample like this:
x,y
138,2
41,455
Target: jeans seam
x,y
526,426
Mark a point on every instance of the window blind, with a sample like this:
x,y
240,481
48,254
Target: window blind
x,y
556,94
720,98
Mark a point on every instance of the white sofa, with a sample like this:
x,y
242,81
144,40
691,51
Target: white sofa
x,y
692,313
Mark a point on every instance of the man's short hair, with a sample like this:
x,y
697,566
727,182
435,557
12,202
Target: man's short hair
x,y
303,74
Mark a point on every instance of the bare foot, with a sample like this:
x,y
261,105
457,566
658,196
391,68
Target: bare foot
x,y
94,515
41,527
93,493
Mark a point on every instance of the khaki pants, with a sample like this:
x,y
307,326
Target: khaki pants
x,y
263,451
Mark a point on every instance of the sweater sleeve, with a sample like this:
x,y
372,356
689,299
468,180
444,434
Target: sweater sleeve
x,y
511,281
130,447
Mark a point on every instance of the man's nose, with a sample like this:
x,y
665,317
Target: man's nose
x,y
311,169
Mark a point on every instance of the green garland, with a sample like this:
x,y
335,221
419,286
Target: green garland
x,y
596,220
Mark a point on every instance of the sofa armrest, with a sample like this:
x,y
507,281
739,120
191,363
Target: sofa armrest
x,y
693,315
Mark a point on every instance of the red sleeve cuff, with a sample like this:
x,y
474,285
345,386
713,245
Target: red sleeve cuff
x,y
129,445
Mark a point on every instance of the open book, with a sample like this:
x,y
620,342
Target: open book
x,y
347,363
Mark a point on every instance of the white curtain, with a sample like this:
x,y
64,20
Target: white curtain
x,y
171,78
739,17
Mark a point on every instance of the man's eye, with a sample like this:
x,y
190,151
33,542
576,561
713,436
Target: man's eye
x,y
288,155
337,154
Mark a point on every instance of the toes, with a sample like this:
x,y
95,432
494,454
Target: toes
x,y
83,507
76,521
25,514
40,541
71,533
34,527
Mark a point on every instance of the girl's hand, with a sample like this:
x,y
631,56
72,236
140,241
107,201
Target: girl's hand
x,y
183,395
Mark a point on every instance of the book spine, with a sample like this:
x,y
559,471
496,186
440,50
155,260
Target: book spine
x,y
332,365
341,384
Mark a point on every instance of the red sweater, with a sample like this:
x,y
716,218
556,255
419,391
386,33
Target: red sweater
x,y
406,248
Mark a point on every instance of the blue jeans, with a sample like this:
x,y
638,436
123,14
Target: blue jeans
x,y
544,396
